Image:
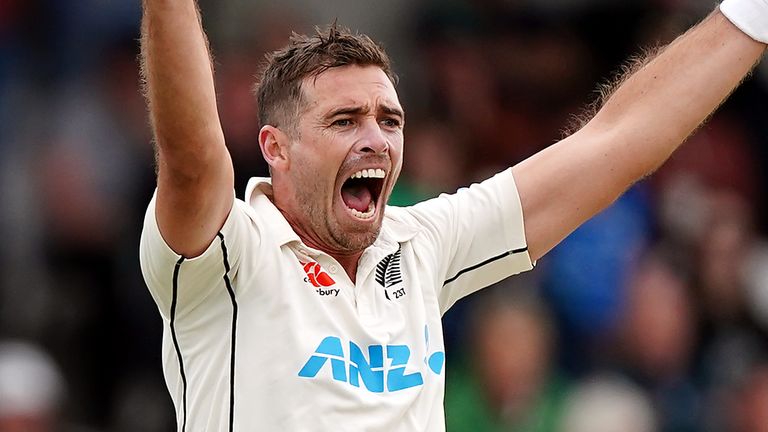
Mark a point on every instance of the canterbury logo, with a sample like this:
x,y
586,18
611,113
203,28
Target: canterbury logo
x,y
388,275
316,275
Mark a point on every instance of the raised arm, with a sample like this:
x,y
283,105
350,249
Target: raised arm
x,y
635,131
195,176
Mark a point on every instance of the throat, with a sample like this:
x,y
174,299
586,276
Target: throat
x,y
349,264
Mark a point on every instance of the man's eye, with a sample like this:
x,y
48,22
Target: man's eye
x,y
391,122
342,122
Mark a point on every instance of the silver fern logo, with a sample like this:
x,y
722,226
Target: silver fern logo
x,y
388,275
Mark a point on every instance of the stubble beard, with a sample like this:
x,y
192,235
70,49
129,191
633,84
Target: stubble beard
x,y
352,241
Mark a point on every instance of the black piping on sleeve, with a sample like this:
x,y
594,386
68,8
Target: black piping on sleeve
x,y
486,262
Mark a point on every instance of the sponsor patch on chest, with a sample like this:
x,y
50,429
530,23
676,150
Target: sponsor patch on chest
x,y
319,278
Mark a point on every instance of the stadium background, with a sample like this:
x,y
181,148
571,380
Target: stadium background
x,y
652,317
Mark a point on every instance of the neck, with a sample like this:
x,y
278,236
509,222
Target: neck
x,y
349,263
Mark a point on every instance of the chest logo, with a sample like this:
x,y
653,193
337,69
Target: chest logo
x,y
386,368
316,275
389,276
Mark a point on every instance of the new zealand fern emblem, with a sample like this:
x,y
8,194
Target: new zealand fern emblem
x,y
388,275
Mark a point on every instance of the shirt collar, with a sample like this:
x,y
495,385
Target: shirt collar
x,y
258,195
394,228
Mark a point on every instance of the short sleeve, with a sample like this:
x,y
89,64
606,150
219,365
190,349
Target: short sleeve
x,y
476,236
168,274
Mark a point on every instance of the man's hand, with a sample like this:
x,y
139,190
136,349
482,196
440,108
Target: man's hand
x,y
195,176
636,130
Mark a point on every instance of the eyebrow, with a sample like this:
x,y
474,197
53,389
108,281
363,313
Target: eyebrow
x,y
348,110
393,111
364,109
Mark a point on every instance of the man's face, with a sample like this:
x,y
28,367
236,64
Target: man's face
x,y
345,157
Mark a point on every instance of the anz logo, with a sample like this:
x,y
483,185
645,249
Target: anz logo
x,y
371,370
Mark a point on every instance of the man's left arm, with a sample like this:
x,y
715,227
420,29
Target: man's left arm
x,y
648,116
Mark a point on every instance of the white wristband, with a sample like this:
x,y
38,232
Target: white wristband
x,y
750,16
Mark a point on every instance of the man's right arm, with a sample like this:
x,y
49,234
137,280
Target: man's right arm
x,y
195,178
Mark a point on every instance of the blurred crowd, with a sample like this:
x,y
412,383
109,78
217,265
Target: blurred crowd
x,y
652,317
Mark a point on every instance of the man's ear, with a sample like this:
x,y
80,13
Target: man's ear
x,y
274,147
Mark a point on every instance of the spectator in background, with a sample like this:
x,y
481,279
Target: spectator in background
x,y
241,56
608,403
31,389
732,344
436,164
512,383
585,277
657,341
749,403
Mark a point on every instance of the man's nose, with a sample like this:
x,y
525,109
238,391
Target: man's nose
x,y
373,140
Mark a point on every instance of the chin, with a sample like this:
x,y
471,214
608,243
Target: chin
x,y
356,240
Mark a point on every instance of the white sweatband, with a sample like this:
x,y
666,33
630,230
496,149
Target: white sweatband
x,y
750,16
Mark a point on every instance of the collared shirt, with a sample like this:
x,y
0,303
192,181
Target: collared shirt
x,y
265,333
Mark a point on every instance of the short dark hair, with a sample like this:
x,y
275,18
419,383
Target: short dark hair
x,y
278,91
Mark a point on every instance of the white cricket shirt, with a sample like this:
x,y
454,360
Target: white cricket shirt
x,y
262,333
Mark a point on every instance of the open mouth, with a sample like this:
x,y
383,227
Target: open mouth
x,y
362,190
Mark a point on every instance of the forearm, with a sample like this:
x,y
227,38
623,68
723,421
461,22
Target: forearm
x,y
661,104
179,83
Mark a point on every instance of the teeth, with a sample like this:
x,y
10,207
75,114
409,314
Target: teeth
x,y
368,213
369,173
